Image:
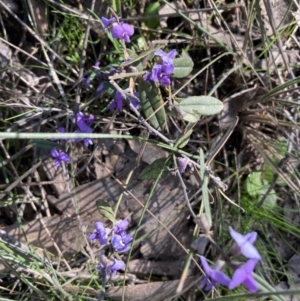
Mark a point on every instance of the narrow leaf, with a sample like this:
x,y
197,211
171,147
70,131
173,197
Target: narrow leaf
x,y
183,65
46,144
105,210
184,139
150,102
152,171
201,105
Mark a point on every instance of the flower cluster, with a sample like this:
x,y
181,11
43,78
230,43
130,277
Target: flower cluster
x,y
119,30
162,71
82,123
243,272
119,240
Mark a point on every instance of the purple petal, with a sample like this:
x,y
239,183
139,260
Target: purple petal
x,y
54,153
64,157
220,277
61,130
165,81
160,53
166,57
87,142
251,237
172,54
167,69
182,162
243,275
100,234
215,275
238,278
243,241
251,284
117,31
128,28
119,100
113,105
93,236
135,103
117,265
118,244
121,226
250,265
155,73
106,22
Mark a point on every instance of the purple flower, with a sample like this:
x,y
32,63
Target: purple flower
x,y
121,243
244,244
97,66
216,276
120,227
118,102
100,89
83,125
122,31
183,162
110,266
59,157
166,57
100,233
107,22
244,275
161,73
83,121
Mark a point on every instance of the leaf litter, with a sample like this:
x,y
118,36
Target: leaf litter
x,y
247,93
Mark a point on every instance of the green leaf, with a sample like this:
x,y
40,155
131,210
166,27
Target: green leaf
x,y
152,9
105,210
201,105
254,183
270,200
46,144
184,139
183,66
152,171
150,102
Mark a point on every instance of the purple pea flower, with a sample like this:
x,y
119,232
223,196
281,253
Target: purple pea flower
x,y
244,244
244,275
100,234
215,275
107,22
183,162
166,57
120,227
118,102
59,157
122,31
83,125
121,243
161,73
110,267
